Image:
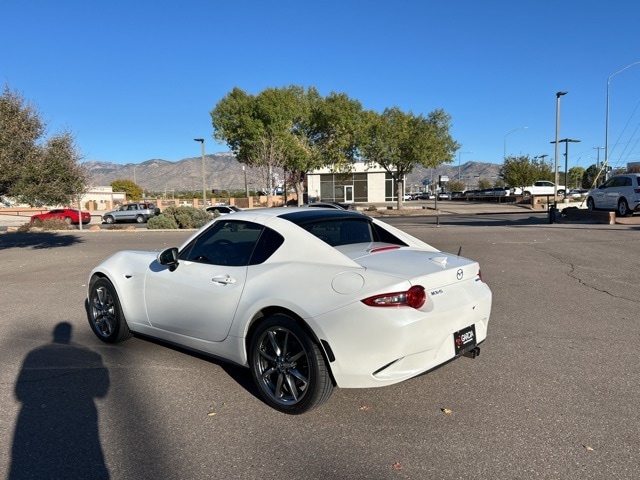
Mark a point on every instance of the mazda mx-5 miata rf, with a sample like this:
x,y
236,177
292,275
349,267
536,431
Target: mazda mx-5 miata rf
x,y
308,299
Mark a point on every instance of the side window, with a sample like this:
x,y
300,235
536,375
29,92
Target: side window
x,y
268,243
225,243
627,182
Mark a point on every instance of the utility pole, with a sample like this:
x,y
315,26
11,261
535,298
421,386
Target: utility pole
x,y
598,156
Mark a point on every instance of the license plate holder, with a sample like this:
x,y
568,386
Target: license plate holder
x,y
464,339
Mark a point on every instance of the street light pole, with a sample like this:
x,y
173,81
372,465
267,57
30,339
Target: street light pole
x,y
606,123
204,180
555,187
504,157
566,160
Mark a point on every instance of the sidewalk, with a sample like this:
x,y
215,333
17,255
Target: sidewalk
x,y
13,220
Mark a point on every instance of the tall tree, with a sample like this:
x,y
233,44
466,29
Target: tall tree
x,y
33,169
575,175
522,171
399,141
290,128
325,133
132,190
591,176
255,128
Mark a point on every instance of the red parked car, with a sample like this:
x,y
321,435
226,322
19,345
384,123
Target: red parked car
x,y
68,215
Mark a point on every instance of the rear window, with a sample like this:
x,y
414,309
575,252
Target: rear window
x,y
348,231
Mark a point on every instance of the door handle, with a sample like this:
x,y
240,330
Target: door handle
x,y
223,280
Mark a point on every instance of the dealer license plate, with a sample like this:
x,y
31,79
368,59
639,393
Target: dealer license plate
x,y
464,339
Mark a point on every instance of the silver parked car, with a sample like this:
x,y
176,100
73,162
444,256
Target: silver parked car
x,y
621,193
132,212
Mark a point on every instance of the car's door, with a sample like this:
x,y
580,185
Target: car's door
x,y
199,298
612,192
599,195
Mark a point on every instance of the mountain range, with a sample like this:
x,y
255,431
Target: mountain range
x,y
222,171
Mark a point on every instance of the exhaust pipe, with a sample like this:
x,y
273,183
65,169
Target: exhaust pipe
x,y
472,353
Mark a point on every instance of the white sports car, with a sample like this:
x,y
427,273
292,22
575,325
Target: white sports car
x,y
308,299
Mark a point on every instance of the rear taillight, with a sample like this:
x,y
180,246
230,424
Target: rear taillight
x,y
414,298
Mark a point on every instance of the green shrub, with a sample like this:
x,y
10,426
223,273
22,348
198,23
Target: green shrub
x,y
180,217
162,222
48,224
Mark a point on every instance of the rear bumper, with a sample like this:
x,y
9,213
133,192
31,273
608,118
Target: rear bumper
x,y
382,346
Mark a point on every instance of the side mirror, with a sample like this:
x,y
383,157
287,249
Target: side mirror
x,y
169,257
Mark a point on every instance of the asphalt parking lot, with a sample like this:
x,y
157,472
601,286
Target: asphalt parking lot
x,y
553,395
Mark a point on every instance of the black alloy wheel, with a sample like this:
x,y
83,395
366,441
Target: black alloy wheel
x,y
288,366
105,313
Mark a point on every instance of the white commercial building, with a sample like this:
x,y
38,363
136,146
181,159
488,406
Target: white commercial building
x,y
362,183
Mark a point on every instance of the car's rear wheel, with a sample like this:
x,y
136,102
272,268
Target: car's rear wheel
x,y
105,313
140,219
591,204
67,220
561,193
288,366
623,208
109,219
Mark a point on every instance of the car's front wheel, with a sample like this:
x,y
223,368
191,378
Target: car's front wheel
x,y
67,220
623,208
109,219
591,204
105,313
288,366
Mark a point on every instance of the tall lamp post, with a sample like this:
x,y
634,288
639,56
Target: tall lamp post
x,y
204,181
606,123
566,142
505,140
552,214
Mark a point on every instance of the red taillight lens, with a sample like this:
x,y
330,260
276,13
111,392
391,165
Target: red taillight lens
x,y
414,298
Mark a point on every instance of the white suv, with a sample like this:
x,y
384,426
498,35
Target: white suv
x,y
620,193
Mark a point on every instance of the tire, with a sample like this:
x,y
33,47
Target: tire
x,y
67,220
288,367
526,194
109,219
591,204
561,193
623,208
140,219
105,313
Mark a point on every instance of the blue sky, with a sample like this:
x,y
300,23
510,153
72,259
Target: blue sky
x,y
135,80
